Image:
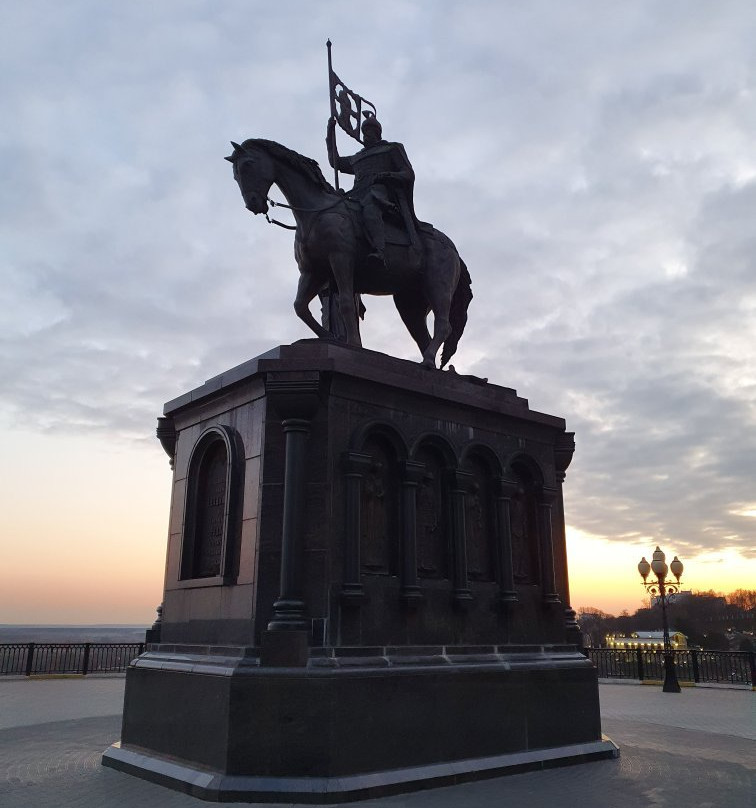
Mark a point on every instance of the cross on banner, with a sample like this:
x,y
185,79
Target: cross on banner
x,y
346,105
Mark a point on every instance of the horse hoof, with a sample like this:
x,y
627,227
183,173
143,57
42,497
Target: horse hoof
x,y
428,364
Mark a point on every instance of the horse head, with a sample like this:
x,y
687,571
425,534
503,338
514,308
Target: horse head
x,y
254,172
259,163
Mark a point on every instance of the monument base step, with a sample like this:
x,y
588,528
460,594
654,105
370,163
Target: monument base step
x,y
216,787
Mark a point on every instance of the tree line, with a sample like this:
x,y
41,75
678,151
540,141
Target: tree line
x,y
709,620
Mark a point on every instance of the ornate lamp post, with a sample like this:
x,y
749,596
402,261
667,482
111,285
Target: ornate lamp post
x,y
664,590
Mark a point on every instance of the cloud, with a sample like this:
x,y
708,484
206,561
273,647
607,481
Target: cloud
x,y
592,162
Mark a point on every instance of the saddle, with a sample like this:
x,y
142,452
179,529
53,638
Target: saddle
x,y
399,229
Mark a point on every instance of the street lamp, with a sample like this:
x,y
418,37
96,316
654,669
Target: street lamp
x,y
664,590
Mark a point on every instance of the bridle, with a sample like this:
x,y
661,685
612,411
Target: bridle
x,y
275,204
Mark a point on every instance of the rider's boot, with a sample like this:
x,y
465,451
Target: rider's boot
x,y
376,235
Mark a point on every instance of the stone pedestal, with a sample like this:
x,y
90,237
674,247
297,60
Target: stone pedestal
x,y
366,586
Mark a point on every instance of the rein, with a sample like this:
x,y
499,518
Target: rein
x,y
274,204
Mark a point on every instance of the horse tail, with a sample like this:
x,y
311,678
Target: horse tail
x,y
458,313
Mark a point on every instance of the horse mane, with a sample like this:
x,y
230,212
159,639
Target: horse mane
x,y
305,165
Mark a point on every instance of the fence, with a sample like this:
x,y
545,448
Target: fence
x,y
730,667
692,665
34,659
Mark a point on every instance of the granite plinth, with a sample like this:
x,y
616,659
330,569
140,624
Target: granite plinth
x,y
352,725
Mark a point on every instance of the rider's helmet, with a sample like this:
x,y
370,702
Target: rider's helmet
x,y
371,123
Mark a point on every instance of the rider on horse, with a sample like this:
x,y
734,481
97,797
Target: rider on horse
x,y
383,182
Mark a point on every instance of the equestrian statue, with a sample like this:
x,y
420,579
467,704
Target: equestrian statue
x,y
365,241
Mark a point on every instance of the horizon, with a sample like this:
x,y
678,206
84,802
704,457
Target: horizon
x,y
643,604
618,613
71,625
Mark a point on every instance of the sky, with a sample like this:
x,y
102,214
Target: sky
x,y
593,161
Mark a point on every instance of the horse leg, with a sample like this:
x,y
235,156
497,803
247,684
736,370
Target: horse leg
x,y
441,277
441,330
342,267
414,314
308,287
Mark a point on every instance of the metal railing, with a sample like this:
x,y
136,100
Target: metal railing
x,y
38,659
692,665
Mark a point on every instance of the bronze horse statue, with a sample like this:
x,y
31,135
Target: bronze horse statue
x,y
330,248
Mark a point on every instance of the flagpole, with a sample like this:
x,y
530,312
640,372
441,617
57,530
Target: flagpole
x,y
333,111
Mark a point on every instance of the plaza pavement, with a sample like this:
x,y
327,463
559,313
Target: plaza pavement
x,y
696,749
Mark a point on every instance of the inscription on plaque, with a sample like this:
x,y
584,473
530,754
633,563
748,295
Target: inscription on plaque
x,y
211,512
378,511
478,523
432,551
524,522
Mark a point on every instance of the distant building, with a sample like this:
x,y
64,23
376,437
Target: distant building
x,y
652,640
686,595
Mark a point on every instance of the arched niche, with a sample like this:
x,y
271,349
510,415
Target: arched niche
x,y
371,468
526,495
382,431
379,506
480,514
433,519
211,526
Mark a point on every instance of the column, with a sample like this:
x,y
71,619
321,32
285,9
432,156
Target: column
x,y
459,482
548,582
295,400
564,450
412,474
355,464
505,571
